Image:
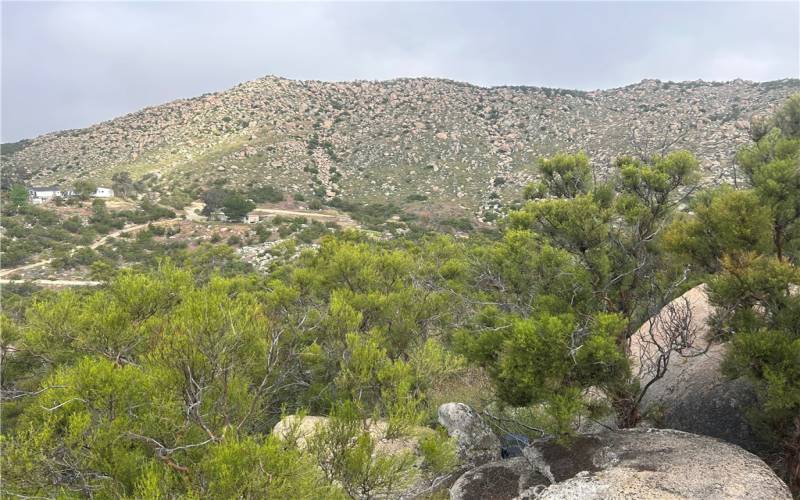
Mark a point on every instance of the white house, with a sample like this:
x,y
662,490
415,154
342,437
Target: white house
x,y
43,194
252,218
102,192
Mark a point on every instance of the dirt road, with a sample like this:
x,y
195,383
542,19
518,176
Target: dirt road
x,y
52,282
101,241
192,210
316,215
190,214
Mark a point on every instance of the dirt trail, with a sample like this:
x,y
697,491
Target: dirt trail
x,y
190,214
101,241
195,207
52,282
193,210
319,216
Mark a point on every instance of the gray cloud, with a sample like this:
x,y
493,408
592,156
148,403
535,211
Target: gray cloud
x,y
68,65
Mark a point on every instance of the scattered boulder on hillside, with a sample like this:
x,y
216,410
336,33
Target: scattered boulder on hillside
x,y
693,395
633,463
362,140
476,441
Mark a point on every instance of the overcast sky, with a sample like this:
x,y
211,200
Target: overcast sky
x,y
68,65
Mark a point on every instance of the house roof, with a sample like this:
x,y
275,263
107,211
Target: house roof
x,y
47,188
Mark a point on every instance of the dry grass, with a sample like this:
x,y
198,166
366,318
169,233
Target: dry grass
x,y
471,387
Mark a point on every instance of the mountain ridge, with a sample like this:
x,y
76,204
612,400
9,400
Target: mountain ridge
x,y
450,143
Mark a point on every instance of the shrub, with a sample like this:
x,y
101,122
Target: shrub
x,y
266,194
346,454
439,452
416,197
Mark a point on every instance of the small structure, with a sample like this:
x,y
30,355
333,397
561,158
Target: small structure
x,y
43,194
102,192
257,215
218,215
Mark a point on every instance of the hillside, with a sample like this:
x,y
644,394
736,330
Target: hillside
x,y
452,144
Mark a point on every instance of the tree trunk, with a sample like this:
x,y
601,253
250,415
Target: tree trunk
x,y
627,411
778,240
792,457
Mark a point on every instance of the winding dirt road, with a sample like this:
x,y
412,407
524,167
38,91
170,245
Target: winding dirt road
x,y
101,241
190,214
52,282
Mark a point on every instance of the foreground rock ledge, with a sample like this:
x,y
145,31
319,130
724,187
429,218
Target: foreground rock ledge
x,y
634,463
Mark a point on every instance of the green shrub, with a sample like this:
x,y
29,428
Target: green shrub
x,y
439,452
346,454
266,194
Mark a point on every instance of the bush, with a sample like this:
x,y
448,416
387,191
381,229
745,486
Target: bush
x,y
460,223
263,233
439,452
237,206
346,454
73,224
178,200
266,194
416,197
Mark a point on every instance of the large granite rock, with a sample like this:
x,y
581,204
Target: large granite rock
x,y
661,464
633,463
497,480
476,441
693,395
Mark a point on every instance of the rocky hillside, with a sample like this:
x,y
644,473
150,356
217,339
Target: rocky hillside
x,y
407,140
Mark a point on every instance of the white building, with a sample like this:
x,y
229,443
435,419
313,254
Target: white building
x,y
102,192
252,218
43,194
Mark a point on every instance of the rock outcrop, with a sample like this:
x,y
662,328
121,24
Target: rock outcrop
x,y
497,480
634,463
476,441
693,395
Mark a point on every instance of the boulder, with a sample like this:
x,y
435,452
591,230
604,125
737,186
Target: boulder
x,y
476,441
658,464
632,463
693,395
497,480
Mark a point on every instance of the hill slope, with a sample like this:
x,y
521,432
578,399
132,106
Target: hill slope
x,y
452,143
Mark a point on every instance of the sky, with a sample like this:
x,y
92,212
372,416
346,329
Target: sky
x,y
69,65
